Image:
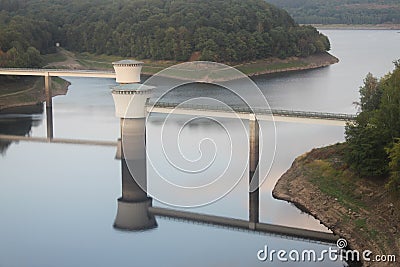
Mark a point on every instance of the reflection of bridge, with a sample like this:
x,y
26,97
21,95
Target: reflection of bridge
x,y
252,225
267,228
8,137
243,112
135,210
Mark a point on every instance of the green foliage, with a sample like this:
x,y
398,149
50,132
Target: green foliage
x,y
218,30
341,11
372,148
23,39
394,166
370,94
366,150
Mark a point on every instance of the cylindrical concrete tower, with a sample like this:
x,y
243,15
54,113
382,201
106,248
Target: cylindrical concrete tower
x,y
128,71
130,96
130,100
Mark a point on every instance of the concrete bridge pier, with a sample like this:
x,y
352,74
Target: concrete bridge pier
x,y
254,196
49,105
47,90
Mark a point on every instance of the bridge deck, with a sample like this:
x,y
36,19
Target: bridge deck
x,y
206,110
57,72
241,112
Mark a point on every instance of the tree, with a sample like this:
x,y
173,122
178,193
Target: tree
x,y
394,166
371,139
370,94
366,150
388,115
226,31
32,57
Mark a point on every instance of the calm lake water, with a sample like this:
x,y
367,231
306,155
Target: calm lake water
x,y
58,202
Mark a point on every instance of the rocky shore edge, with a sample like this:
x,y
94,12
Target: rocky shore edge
x,y
359,210
309,63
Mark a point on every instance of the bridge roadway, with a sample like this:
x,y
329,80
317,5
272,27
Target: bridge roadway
x,y
336,119
57,73
199,110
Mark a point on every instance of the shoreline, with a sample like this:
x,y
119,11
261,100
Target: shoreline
x,y
310,63
255,68
275,65
359,210
357,26
151,67
32,95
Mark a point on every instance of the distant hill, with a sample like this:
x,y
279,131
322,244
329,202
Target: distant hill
x,y
217,30
342,11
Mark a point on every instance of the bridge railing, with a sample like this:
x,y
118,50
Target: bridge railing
x,y
55,70
257,111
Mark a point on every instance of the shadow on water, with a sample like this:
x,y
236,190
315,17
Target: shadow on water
x,y
18,121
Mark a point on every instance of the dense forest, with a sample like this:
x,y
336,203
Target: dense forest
x,y
342,11
373,141
217,30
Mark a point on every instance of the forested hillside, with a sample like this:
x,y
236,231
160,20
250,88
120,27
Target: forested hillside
x,y
217,30
342,11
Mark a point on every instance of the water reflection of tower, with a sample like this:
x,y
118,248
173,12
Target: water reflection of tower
x,y
130,98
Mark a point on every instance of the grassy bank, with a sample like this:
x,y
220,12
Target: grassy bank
x,y
360,210
275,65
29,90
104,62
26,91
66,59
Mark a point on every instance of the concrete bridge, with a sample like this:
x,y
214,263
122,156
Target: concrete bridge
x,y
57,73
242,112
48,73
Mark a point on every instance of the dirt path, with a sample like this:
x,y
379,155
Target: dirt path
x,y
18,92
69,63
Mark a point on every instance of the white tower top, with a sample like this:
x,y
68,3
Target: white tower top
x,y
127,71
130,100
